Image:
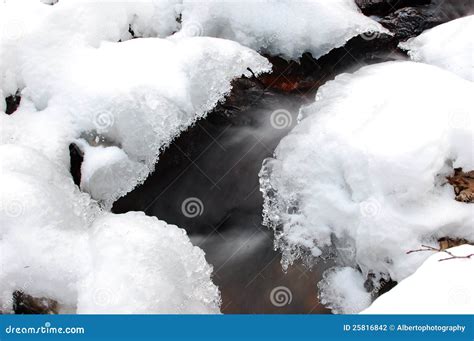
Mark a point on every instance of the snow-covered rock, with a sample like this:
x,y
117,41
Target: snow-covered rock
x,y
448,46
78,82
56,243
121,103
279,27
143,265
43,227
342,290
363,175
437,287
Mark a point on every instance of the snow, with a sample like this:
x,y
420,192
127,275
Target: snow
x,y
317,26
342,290
83,80
362,176
43,227
55,242
72,73
448,46
170,274
435,288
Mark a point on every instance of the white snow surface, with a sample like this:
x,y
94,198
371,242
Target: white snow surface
x,y
287,28
363,175
78,82
342,290
121,103
55,242
449,46
437,287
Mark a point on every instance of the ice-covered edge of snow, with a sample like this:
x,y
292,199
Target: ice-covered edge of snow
x,y
296,224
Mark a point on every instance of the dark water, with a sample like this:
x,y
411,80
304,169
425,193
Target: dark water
x,y
216,163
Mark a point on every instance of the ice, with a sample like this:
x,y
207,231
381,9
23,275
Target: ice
x,y
363,175
56,243
79,84
317,26
448,46
435,288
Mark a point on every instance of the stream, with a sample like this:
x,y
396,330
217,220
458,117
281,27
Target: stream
x,y
214,166
206,181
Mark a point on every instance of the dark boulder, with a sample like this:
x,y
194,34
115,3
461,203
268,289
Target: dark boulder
x,y
385,7
410,21
13,102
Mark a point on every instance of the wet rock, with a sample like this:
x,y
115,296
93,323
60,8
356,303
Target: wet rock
x,y
13,102
410,21
26,304
77,157
385,7
305,76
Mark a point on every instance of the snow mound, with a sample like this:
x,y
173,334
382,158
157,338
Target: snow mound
x,y
448,46
437,287
78,84
43,227
317,26
56,243
169,274
363,175
342,290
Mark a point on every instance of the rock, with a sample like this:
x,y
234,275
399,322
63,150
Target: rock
x,y
447,243
463,183
13,102
409,22
26,304
77,157
385,7
305,76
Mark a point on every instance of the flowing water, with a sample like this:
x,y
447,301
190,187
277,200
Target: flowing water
x,y
207,183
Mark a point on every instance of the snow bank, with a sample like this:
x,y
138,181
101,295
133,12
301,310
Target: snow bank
x,y
56,243
79,85
448,46
435,288
279,27
362,177
43,227
169,273
342,291
121,103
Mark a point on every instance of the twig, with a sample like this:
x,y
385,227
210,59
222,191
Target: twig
x,y
431,248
